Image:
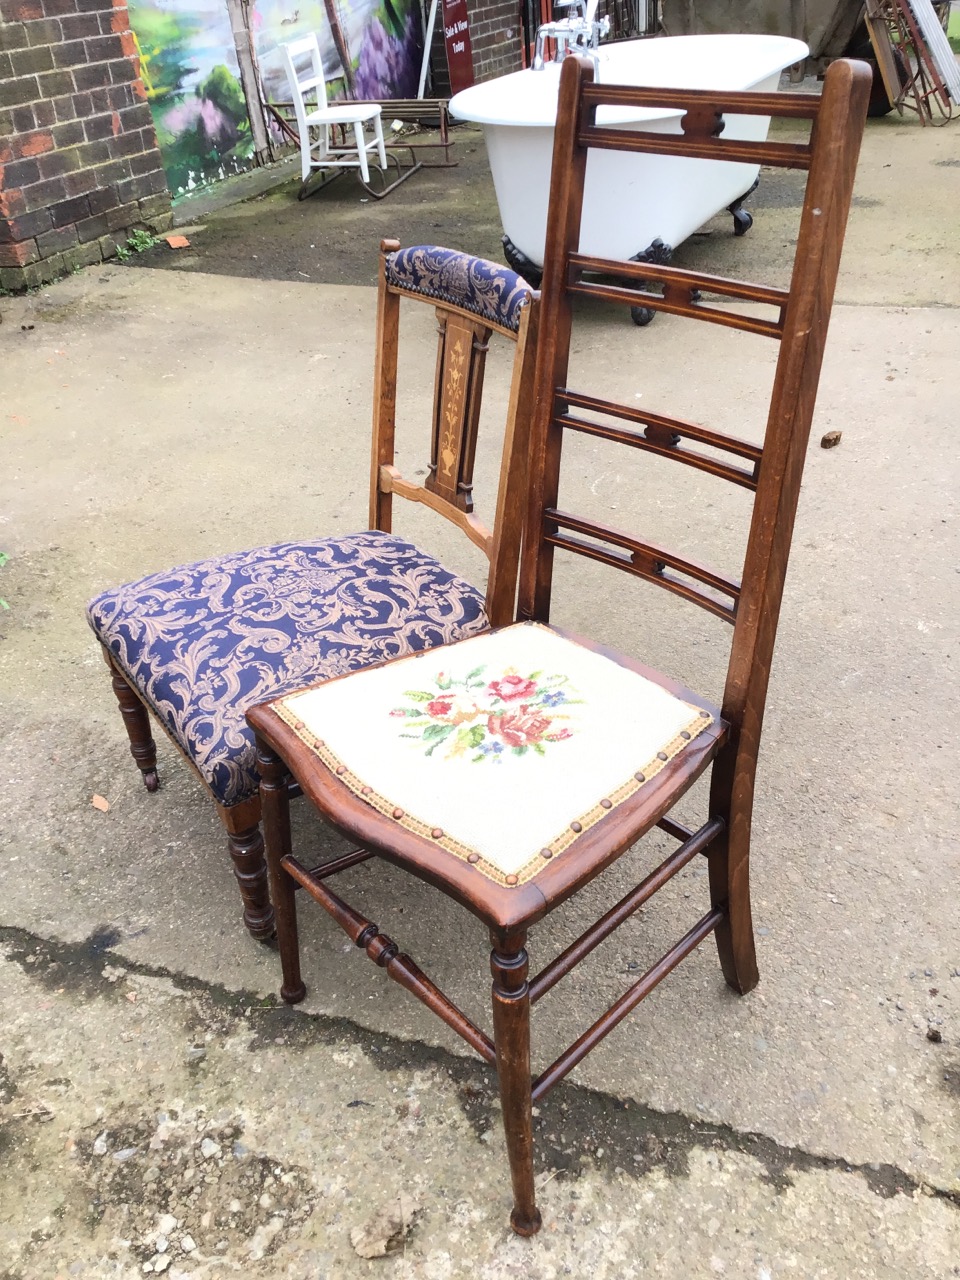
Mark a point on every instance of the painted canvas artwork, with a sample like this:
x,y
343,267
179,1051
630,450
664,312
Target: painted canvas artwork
x,y
189,66
373,47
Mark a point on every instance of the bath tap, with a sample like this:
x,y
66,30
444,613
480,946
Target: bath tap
x,y
579,33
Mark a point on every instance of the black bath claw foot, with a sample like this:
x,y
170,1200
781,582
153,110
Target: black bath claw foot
x,y
742,218
659,254
642,315
518,261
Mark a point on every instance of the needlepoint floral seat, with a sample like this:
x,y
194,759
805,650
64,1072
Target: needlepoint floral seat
x,y
500,753
203,642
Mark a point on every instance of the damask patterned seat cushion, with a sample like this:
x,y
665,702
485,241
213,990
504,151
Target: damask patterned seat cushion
x,y
491,291
204,642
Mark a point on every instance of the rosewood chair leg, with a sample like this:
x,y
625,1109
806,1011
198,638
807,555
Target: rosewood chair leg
x,y
137,722
246,851
729,862
275,803
511,1034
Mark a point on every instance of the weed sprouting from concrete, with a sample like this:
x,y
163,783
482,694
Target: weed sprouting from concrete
x,y
138,241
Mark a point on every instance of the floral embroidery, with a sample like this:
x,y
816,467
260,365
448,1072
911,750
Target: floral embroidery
x,y
488,717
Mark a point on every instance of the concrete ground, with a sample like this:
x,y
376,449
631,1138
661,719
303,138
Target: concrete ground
x,y
160,1113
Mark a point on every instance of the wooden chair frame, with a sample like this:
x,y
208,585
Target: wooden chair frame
x,y
731,745
463,339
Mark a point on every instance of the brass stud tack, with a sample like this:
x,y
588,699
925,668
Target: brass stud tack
x,y
575,826
546,853
366,791
684,735
437,833
606,804
640,777
398,813
661,755
341,770
511,879
473,857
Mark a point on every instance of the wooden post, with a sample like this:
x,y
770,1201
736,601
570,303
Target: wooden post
x,y
239,11
275,803
340,43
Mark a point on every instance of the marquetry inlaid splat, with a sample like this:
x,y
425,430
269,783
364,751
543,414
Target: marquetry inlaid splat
x,y
461,357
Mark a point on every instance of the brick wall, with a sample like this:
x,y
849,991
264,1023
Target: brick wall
x,y
495,37
79,164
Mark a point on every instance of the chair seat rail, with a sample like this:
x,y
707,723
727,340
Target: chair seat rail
x,y
626,1004
568,959
385,953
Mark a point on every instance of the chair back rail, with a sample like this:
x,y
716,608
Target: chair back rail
x,y
308,79
772,472
644,559
701,124
681,295
662,435
462,346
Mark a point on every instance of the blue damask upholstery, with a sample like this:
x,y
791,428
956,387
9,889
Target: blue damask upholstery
x,y
488,289
204,642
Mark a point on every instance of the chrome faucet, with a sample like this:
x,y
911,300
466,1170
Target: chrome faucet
x,y
579,33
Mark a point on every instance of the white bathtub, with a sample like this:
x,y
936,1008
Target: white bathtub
x,y
630,201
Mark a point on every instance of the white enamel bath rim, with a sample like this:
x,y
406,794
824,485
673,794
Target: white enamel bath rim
x,y
629,200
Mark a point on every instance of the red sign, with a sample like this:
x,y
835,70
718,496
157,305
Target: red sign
x,y
456,39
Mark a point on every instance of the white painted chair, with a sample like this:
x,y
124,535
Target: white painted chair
x,y
316,117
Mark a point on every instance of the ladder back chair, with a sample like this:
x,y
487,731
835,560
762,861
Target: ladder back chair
x,y
198,644
510,769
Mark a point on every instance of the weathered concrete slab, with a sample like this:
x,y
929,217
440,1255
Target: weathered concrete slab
x,y
156,1124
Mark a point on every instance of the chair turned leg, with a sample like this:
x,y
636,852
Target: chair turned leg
x,y
137,722
729,862
511,1034
246,852
381,146
275,802
361,144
